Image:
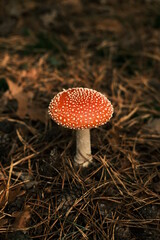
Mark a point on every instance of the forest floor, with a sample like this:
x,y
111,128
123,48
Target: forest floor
x,y
110,46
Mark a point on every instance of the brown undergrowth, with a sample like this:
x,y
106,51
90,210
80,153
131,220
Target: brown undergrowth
x,y
110,46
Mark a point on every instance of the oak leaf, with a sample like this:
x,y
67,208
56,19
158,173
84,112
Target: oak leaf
x,y
26,105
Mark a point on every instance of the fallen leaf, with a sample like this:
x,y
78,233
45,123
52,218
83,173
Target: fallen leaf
x,y
14,192
22,218
5,60
111,25
13,88
154,125
31,74
75,5
26,105
48,18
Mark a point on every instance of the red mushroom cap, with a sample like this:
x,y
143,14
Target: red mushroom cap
x,y
79,108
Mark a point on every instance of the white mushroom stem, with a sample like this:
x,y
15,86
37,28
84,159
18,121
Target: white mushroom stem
x,y
83,151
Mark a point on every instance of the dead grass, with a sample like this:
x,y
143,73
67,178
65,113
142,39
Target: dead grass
x,y
113,48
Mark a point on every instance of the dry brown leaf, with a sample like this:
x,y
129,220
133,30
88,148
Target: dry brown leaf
x,y
31,74
154,125
48,18
5,60
13,193
22,218
111,25
26,105
13,88
76,3
36,112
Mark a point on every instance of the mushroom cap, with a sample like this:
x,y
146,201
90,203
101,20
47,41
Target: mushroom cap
x,y
80,108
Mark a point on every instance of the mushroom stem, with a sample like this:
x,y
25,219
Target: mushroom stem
x,y
83,151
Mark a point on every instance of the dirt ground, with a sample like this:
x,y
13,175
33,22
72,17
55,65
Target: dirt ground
x,y
113,47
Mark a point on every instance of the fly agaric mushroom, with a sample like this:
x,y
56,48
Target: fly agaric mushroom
x,y
81,109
